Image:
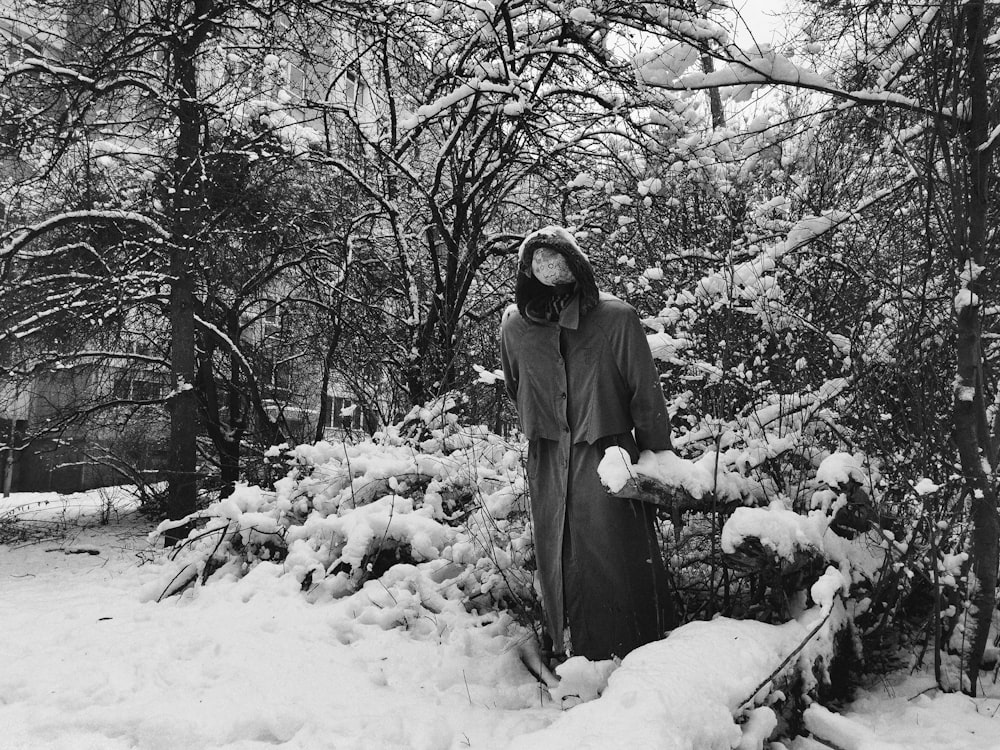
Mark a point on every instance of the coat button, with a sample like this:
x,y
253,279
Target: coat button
x,y
562,395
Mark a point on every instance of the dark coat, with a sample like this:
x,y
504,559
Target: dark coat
x,y
582,383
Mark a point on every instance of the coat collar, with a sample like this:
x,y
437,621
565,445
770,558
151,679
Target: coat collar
x,y
570,316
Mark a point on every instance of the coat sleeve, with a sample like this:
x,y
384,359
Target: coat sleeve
x,y
646,404
508,358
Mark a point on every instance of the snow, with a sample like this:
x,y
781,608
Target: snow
x,y
753,279
785,533
651,185
756,67
662,66
699,478
781,530
965,298
582,15
903,712
17,239
840,468
488,377
239,664
248,662
682,692
758,727
581,680
824,591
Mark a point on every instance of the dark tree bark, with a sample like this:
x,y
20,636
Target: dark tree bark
x,y
324,403
184,423
714,97
972,431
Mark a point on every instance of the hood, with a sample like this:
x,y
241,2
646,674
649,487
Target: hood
x,y
528,288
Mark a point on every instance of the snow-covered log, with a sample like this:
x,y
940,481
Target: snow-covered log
x,y
676,484
673,499
712,685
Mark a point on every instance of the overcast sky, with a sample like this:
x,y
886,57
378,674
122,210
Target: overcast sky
x,y
763,17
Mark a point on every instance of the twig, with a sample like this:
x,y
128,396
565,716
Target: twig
x,y
922,692
172,555
206,572
169,590
788,658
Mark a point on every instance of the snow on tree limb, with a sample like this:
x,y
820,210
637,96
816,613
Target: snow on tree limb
x,y
758,68
18,238
231,347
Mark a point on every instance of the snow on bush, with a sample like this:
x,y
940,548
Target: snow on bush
x,y
436,516
698,478
788,536
424,528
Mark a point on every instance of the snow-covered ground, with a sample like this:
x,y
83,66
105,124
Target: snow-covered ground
x,y
88,661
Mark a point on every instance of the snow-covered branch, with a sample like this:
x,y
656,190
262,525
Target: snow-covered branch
x,y
14,240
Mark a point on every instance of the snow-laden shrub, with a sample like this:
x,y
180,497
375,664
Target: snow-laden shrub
x,y
431,515
440,513
763,542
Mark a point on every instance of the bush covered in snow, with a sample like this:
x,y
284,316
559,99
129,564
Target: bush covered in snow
x,y
427,511
432,514
450,499
427,522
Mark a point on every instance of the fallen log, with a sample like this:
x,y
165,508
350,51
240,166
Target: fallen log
x,y
672,498
718,683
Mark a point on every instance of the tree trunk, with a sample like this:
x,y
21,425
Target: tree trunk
x,y
8,464
972,433
229,465
324,403
232,433
182,472
714,97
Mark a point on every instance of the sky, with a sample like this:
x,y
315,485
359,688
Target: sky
x,y
761,20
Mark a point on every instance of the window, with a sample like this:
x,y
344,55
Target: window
x,y
349,140
345,422
140,344
294,80
271,318
351,86
122,389
17,47
272,315
146,390
236,68
141,388
284,376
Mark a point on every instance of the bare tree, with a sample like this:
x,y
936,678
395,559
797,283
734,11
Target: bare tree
x,y
148,105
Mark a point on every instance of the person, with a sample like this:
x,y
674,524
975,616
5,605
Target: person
x,y
579,369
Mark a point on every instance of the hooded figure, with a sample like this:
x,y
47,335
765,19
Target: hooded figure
x,y
579,369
